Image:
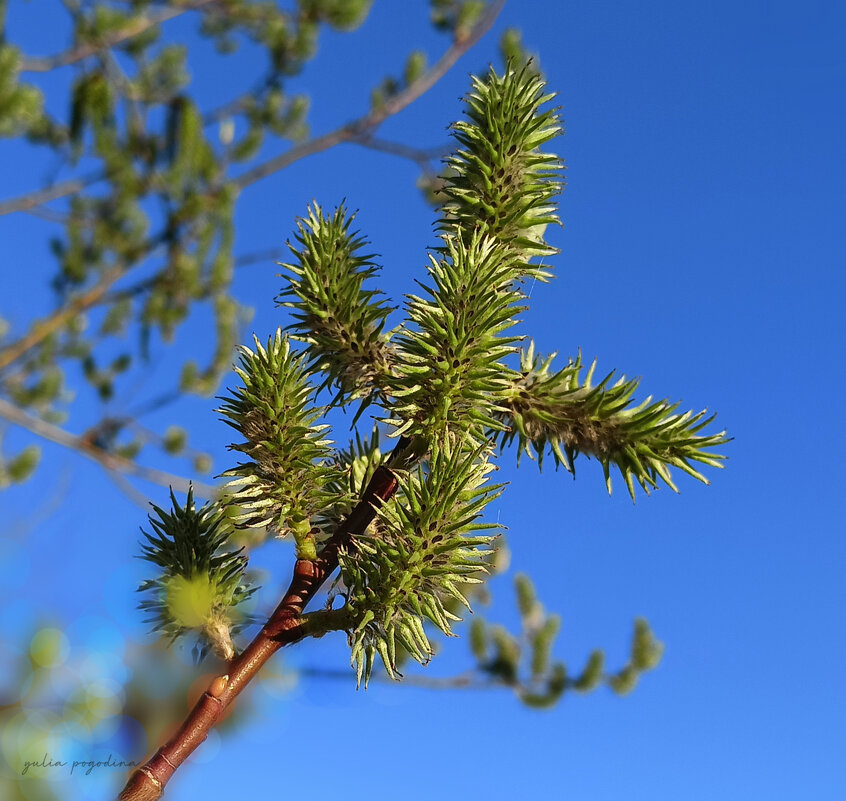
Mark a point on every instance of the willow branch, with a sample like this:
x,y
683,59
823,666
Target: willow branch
x,y
422,157
360,128
110,461
41,196
127,488
32,200
286,626
270,254
80,303
132,28
43,329
469,680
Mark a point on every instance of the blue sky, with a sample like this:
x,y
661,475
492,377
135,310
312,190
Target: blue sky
x,y
704,148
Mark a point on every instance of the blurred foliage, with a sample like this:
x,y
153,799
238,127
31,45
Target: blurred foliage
x,y
143,234
66,701
524,661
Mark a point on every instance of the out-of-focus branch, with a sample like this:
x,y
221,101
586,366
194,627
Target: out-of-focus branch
x,y
111,461
41,330
244,260
269,254
132,28
124,485
362,128
76,305
469,680
422,157
41,196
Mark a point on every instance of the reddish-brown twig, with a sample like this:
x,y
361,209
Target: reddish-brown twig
x,y
285,626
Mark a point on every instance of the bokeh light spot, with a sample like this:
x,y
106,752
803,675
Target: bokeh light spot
x,y
49,647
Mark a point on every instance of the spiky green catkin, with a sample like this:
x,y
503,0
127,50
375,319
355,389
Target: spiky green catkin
x,y
499,182
202,582
449,373
285,483
425,546
341,321
448,376
566,414
502,185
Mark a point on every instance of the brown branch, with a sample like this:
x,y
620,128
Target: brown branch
x,y
49,215
110,461
363,126
149,283
469,680
285,626
126,487
422,157
41,196
133,28
269,254
80,303
41,330
32,200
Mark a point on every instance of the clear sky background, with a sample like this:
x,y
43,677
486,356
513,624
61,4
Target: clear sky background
x,y
703,250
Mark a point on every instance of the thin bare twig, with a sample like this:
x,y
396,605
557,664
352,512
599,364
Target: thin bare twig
x,y
80,303
110,461
360,129
268,255
49,215
124,485
41,196
150,282
41,330
469,680
422,157
154,404
132,28
47,507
